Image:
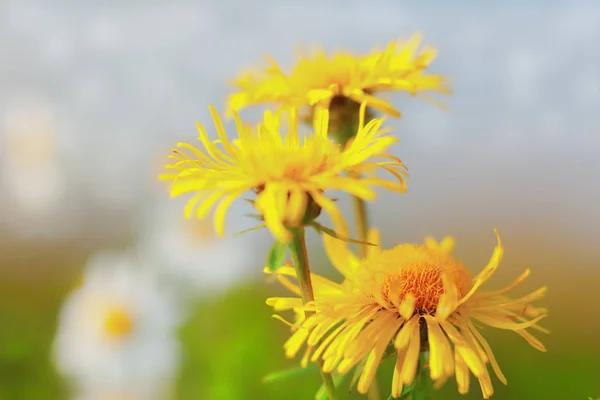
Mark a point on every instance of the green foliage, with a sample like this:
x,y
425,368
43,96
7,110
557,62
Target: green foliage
x,y
27,326
230,344
276,256
289,373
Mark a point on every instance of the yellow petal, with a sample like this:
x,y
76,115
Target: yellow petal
x,y
405,333
340,255
489,352
266,203
284,303
329,206
374,358
439,349
397,384
373,237
296,207
462,373
208,203
409,368
222,134
221,211
487,271
293,344
321,121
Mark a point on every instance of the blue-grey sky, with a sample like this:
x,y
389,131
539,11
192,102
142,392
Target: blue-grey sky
x,y
519,146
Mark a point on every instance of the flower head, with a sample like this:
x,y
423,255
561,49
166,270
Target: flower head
x,y
173,245
33,183
117,332
324,81
289,173
403,301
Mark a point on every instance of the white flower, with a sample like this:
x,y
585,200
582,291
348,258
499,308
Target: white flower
x,y
32,178
116,334
189,255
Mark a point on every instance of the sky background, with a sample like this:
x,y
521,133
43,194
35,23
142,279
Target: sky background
x,y
120,83
124,81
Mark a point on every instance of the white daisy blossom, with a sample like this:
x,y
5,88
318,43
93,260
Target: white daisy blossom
x,y
189,255
117,333
31,175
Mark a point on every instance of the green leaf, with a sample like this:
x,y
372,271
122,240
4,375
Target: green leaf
x,y
407,391
420,387
277,255
250,230
289,373
322,229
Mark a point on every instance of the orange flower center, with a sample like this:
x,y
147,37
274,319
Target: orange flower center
x,y
416,270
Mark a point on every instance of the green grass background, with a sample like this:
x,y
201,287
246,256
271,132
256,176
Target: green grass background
x,y
231,342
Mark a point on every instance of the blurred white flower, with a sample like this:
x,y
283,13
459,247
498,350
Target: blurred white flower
x,y
187,253
31,176
117,333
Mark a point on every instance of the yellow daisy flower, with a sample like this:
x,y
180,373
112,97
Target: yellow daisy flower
x,y
325,82
403,301
289,173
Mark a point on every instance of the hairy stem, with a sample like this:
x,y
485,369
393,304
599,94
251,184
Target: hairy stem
x,y
300,261
424,384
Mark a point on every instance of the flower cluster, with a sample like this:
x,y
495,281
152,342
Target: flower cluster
x,y
413,302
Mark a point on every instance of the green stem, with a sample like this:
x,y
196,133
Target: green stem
x,y
423,388
300,261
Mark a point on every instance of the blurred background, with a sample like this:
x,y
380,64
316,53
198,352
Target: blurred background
x,y
94,94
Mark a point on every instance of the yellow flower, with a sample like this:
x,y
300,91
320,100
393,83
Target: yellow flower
x,y
321,81
400,302
289,173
